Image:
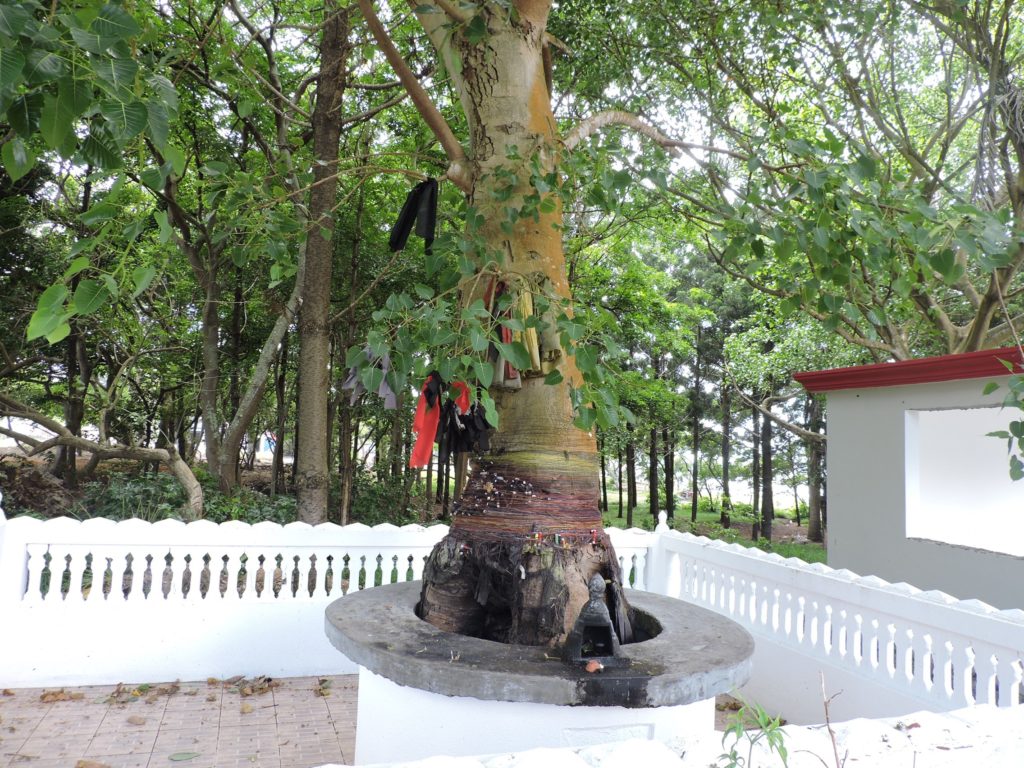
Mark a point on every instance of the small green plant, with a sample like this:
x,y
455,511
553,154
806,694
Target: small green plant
x,y
750,726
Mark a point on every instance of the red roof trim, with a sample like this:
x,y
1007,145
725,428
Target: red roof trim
x,y
968,365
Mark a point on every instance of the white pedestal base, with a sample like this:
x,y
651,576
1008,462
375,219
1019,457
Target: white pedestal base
x,y
397,723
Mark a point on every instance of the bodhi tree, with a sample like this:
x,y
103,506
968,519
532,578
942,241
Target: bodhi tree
x,y
527,535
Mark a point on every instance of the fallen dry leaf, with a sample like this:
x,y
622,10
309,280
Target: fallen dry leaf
x,y
246,708
179,757
136,720
322,687
48,697
90,764
211,697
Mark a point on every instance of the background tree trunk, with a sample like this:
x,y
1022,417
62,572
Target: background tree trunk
x,y
669,453
311,469
767,496
815,467
726,514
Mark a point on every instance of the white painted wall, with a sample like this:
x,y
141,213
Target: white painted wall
x,y
874,640
889,451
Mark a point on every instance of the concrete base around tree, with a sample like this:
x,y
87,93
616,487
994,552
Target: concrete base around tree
x,y
399,723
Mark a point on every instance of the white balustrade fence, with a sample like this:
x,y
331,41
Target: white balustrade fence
x,y
888,648
101,602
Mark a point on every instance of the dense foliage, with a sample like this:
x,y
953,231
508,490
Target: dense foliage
x,y
777,187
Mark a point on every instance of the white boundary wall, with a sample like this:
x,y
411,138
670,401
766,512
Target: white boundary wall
x,y
891,649
74,634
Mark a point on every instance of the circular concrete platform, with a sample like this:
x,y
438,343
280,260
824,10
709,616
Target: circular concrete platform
x,y
697,655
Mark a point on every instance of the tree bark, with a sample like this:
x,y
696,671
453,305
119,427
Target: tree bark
x,y
630,476
669,453
652,474
311,468
516,562
277,484
695,414
726,513
815,471
755,472
767,496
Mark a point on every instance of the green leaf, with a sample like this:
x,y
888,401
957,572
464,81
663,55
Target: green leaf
x,y
43,322
13,19
1016,469
43,66
61,332
119,74
17,158
476,30
490,411
176,158
89,296
23,114
98,214
80,263
53,298
143,278
516,353
127,119
165,90
92,41
554,377
425,292
990,388
153,178
484,372
477,340
944,263
165,227
74,95
179,757
114,21
100,150
54,123
11,65
585,418
586,359
159,123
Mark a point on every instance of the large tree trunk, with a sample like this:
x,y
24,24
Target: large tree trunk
x,y
311,468
695,429
528,535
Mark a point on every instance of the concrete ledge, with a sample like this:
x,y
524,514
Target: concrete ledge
x,y
697,655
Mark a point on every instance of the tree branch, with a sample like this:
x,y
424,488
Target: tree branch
x,y
10,406
458,168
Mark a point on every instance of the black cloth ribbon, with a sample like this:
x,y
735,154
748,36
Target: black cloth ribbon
x,y
420,208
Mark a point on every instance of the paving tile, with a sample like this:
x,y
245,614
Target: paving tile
x,y
123,743
290,727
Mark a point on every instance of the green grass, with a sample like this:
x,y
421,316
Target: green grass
x,y
708,525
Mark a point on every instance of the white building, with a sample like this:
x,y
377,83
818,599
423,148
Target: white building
x,y
917,490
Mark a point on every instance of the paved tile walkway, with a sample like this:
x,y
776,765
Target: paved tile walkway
x,y
209,724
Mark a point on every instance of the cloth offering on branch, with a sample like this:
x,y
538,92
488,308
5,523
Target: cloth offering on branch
x,y
420,208
354,382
